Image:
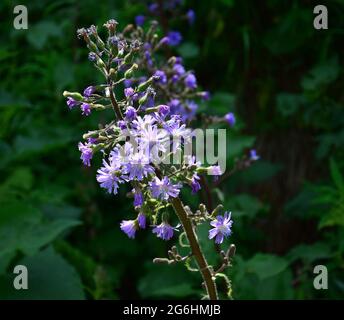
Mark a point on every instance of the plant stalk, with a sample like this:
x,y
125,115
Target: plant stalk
x,y
195,248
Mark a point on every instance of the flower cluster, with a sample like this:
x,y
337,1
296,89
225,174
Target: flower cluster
x,y
154,102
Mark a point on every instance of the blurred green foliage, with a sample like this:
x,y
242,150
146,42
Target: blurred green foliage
x,y
261,60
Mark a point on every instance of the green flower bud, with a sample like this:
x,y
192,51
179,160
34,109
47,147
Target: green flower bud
x,y
129,73
75,95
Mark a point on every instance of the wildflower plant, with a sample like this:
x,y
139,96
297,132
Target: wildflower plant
x,y
154,100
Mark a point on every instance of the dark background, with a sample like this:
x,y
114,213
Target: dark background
x,y
262,60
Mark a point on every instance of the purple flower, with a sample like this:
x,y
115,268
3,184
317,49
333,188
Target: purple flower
x,y
71,103
130,113
205,95
164,41
164,110
179,69
129,228
175,106
86,109
153,7
190,81
163,189
195,186
214,171
128,92
109,176
114,41
92,140
88,91
162,76
190,110
138,166
127,82
164,231
141,219
140,19
122,124
92,56
86,153
138,198
230,118
191,16
253,155
222,228
174,38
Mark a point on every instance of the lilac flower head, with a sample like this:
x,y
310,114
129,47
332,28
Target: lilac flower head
x,y
222,228
109,176
128,92
141,219
205,95
175,106
164,231
129,228
138,198
230,118
191,16
130,113
71,103
122,124
86,109
179,69
190,81
162,76
138,166
88,91
127,82
140,19
214,171
153,7
86,153
253,155
164,110
164,41
163,189
174,38
195,186
92,56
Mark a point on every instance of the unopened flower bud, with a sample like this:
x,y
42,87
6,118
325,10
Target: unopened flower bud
x,y
129,73
75,95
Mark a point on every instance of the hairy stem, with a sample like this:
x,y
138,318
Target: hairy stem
x,y
195,248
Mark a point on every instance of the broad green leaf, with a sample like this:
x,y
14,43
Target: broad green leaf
x,y
266,265
41,32
310,252
50,277
164,281
22,228
336,175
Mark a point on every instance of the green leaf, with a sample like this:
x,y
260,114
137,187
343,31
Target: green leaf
x,y
164,281
336,175
221,103
266,265
335,217
49,277
321,75
22,228
288,104
41,32
237,144
310,253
